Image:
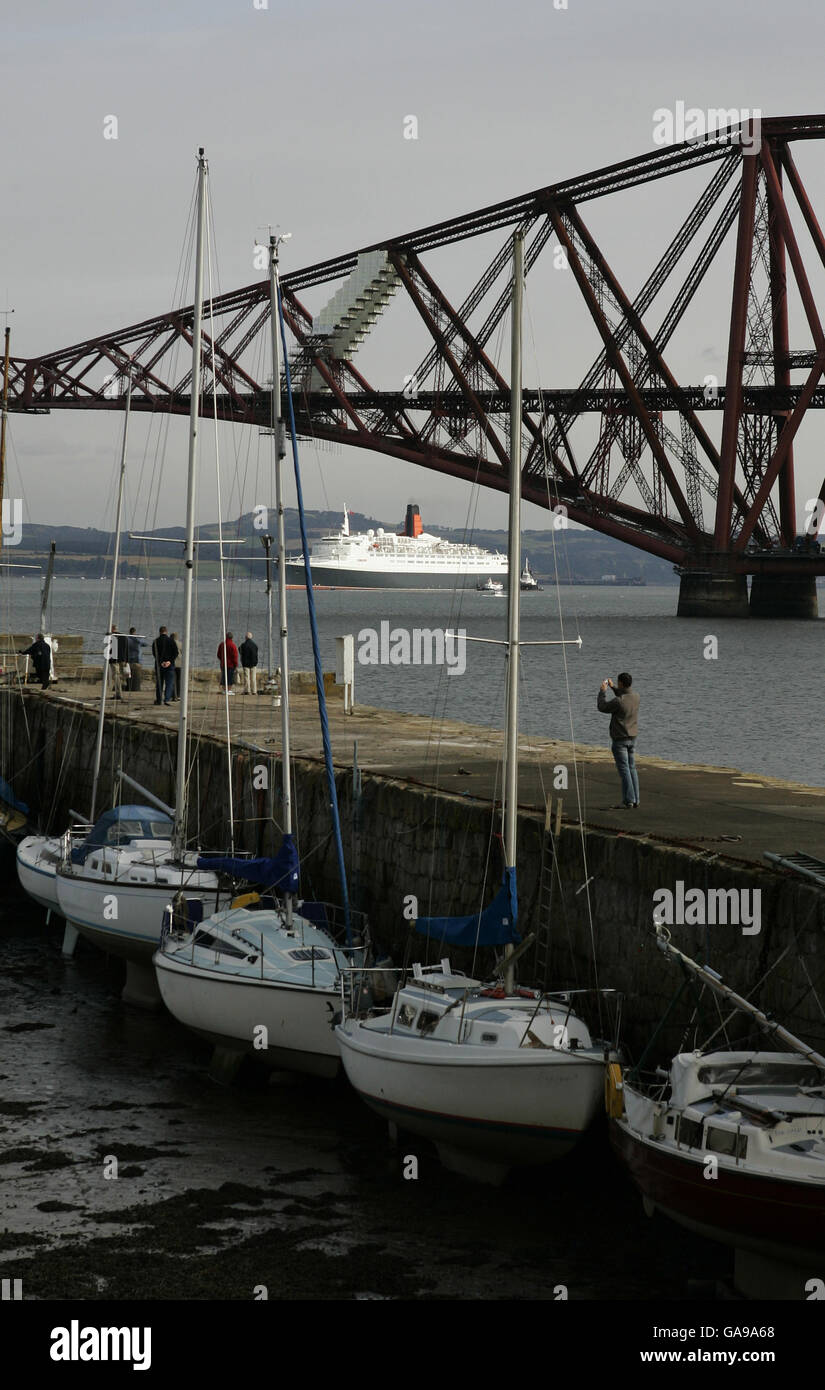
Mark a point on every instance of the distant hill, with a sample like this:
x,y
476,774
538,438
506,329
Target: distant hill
x,y
584,557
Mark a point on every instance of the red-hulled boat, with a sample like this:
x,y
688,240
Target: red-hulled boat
x,y
731,1144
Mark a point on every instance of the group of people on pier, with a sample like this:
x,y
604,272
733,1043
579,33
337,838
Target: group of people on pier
x,y
123,653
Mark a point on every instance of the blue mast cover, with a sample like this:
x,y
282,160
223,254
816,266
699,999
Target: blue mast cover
x,y
494,926
7,795
279,871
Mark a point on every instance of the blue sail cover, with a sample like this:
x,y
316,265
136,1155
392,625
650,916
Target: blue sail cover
x,y
494,926
280,871
7,795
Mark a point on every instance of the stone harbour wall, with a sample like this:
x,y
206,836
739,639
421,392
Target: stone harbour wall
x,y
446,851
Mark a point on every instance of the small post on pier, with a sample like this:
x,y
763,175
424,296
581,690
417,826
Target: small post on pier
x,y
345,669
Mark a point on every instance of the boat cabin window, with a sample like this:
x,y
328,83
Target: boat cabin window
x,y
690,1132
121,831
760,1074
489,1037
217,943
427,1020
406,1015
726,1141
309,953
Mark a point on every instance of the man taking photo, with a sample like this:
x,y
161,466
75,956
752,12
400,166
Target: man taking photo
x,y
623,708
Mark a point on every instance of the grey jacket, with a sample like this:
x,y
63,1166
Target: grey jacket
x,y
623,709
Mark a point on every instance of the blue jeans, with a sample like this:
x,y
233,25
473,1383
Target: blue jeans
x,y
164,683
624,752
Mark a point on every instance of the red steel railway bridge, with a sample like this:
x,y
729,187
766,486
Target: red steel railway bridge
x,y
627,451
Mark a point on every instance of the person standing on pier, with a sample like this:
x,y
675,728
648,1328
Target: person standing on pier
x,y
114,652
228,661
623,709
164,650
41,655
133,646
176,641
249,661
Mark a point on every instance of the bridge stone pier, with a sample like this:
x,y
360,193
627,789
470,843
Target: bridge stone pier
x,y
703,595
706,595
784,596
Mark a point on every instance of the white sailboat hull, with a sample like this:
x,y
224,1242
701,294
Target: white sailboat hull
x,y
37,860
122,918
226,1009
519,1108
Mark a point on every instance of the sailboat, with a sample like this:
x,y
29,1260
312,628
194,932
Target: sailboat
x,y
113,890
730,1142
38,856
263,976
495,1075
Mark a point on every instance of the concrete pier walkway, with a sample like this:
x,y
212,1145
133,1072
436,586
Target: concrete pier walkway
x,y
724,811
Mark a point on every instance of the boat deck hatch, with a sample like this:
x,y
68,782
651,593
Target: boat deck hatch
x,y
218,943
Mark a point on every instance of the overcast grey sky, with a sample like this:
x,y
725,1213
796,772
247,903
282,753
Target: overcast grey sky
x,y
301,111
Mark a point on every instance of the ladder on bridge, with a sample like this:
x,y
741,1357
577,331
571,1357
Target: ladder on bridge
x,y
345,321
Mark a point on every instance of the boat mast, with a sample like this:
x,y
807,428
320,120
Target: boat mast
x,y
280,453
112,593
47,584
179,834
3,421
710,977
510,808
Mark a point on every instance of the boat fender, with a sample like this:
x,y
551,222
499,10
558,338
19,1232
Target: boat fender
x,y
613,1091
245,900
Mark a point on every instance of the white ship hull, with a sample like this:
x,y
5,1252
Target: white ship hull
x,y
225,1008
355,576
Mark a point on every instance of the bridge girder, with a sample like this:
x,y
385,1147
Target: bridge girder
x,y
453,415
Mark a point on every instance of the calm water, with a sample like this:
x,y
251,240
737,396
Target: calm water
x,y
755,705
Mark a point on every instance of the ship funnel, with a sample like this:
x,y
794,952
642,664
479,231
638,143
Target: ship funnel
x,y
412,521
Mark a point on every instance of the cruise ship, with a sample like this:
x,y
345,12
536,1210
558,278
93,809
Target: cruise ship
x,y
411,559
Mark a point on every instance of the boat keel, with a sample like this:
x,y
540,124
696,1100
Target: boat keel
x,y
141,988
70,936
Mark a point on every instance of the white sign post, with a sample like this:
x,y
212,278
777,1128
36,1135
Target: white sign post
x,y
345,669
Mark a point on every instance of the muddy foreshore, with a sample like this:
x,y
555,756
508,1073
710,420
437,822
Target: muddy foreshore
x,y
275,1184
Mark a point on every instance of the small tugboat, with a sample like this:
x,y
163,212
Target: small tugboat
x,y
527,580
731,1143
491,586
